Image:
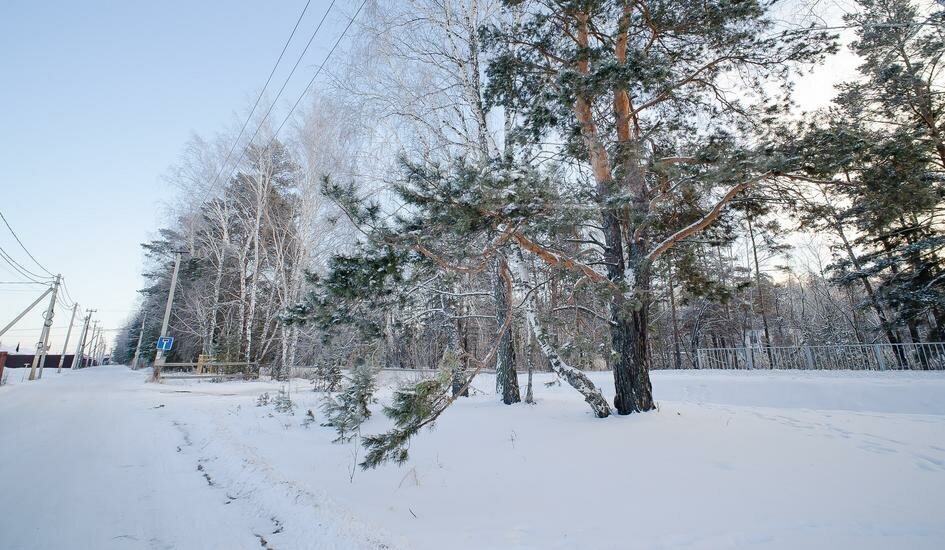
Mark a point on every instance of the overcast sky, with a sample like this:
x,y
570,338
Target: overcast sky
x,y
98,98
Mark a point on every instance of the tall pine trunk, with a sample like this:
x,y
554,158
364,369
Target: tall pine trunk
x,y
630,337
628,306
506,375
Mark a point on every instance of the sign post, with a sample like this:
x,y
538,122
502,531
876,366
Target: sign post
x,y
159,358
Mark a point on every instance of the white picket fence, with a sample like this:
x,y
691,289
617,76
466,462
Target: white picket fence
x,y
924,356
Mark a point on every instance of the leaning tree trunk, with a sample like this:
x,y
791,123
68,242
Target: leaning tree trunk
x,y
506,376
577,379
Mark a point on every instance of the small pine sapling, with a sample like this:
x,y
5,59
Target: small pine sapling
x,y
349,409
283,402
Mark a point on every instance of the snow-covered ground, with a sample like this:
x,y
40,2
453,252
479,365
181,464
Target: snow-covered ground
x,y
99,459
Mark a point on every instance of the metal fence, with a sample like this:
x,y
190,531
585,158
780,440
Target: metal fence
x,y
925,356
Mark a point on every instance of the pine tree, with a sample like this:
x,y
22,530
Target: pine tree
x,y
635,89
877,162
346,411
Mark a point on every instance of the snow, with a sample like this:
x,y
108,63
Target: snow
x,y
730,460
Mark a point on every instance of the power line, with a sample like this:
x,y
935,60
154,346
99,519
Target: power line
x,y
20,268
66,296
28,253
62,328
304,91
278,95
285,83
34,278
19,290
259,97
317,72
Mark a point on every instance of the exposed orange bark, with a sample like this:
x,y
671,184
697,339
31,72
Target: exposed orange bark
x,y
558,260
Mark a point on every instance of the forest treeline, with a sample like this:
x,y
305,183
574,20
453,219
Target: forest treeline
x,y
568,185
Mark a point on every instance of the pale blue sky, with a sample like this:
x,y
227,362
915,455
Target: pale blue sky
x,y
97,99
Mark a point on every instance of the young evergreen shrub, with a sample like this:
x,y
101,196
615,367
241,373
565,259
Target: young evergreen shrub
x,y
347,410
282,402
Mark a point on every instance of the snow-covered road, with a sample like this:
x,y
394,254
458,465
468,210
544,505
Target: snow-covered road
x,y
99,459
93,460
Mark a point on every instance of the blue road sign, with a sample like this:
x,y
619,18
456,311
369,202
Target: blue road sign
x,y
164,343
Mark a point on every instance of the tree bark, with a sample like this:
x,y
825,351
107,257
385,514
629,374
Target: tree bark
x,y
458,375
506,375
672,305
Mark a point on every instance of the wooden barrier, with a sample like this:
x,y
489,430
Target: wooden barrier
x,y
206,368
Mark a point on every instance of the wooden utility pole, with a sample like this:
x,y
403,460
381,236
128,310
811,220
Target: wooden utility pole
x,y
92,343
79,358
159,358
39,357
102,346
65,345
134,362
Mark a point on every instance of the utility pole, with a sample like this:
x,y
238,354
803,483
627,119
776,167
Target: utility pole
x,y
159,358
87,345
98,345
80,349
102,346
92,343
39,358
65,345
134,362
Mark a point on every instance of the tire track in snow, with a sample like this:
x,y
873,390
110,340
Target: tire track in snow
x,y
297,516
